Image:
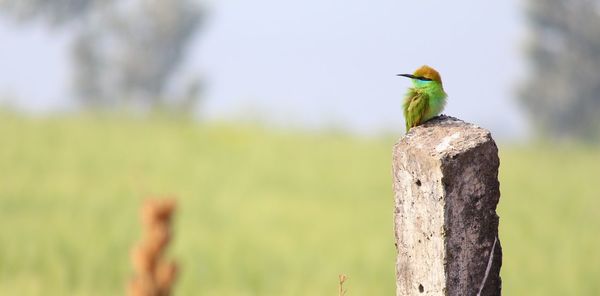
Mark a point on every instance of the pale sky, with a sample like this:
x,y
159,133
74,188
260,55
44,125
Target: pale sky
x,y
316,63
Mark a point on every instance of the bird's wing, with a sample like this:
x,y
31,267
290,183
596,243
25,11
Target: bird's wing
x,y
415,108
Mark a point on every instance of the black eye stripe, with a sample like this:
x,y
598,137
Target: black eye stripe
x,y
422,78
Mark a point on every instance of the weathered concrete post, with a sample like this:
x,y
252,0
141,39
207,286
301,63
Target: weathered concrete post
x,y
446,191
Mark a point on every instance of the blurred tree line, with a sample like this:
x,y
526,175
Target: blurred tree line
x,y
125,53
562,94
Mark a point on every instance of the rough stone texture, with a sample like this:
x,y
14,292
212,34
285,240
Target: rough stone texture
x,y
446,191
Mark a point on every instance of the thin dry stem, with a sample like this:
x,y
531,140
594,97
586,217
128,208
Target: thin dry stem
x,y
343,278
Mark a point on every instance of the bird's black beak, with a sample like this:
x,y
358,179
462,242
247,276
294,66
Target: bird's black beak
x,y
408,75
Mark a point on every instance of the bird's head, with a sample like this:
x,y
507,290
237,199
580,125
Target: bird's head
x,y
425,76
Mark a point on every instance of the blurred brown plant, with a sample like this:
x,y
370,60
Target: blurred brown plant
x,y
154,276
343,278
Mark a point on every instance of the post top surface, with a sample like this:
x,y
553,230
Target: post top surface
x,y
444,136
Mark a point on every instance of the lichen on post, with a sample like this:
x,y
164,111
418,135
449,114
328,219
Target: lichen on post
x,y
446,191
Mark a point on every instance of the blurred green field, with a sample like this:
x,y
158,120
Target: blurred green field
x,y
261,212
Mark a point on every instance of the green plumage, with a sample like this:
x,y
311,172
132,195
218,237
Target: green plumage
x,y
415,106
426,99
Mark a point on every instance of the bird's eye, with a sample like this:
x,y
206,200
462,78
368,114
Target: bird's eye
x,y
424,79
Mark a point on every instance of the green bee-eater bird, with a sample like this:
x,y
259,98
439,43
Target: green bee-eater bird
x,y
426,99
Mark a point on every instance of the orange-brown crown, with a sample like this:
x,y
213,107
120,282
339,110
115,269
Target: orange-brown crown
x,y
429,73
